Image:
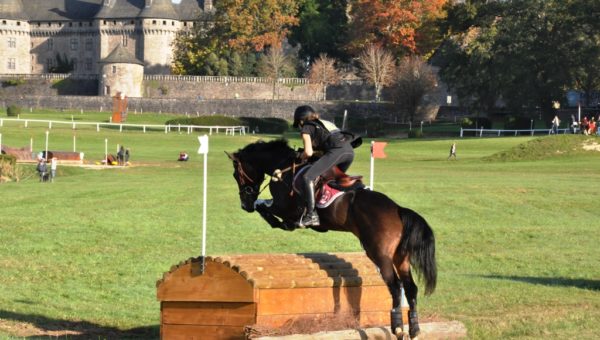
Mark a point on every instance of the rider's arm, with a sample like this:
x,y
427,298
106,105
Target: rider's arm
x,y
308,150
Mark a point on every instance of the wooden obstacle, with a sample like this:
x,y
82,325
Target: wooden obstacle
x,y
269,291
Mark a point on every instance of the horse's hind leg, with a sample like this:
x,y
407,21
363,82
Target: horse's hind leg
x,y
411,290
388,273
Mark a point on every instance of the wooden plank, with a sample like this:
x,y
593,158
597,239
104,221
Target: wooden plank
x,y
323,300
189,332
218,283
208,313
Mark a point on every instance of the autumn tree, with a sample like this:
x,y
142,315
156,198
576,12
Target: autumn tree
x,y
323,73
414,80
254,24
403,26
377,68
275,64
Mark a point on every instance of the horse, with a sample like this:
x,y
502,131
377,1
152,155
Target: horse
x,y
393,237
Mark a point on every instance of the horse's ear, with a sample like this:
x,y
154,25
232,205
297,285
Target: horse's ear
x,y
232,157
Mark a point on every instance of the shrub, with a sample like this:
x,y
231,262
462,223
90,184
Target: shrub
x,y
517,123
415,133
8,164
263,125
13,110
13,82
476,122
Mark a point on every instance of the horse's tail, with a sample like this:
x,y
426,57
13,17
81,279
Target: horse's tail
x,y
419,243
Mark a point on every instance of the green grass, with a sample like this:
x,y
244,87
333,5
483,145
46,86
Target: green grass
x,y
516,240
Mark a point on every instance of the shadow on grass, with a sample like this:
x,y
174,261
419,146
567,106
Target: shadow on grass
x,y
551,281
41,327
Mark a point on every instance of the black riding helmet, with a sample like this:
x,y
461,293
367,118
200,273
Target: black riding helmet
x,y
301,113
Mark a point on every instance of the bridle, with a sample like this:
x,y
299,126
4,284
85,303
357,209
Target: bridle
x,y
248,185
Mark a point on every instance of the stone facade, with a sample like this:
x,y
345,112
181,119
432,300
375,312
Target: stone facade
x,y
33,33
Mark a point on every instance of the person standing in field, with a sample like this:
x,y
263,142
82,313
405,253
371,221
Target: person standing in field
x,y
452,151
555,124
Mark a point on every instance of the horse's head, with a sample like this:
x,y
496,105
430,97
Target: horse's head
x,y
249,179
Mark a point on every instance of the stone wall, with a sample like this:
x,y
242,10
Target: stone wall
x,y
47,87
231,107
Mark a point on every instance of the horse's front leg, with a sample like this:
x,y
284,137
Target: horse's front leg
x,y
264,208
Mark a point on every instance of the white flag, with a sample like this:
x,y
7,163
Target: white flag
x,y
203,149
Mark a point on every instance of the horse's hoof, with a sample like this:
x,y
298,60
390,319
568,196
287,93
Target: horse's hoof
x,y
415,335
400,334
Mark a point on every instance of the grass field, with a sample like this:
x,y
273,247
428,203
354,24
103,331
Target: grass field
x,y
517,240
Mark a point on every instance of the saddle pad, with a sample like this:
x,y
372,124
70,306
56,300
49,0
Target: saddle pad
x,y
327,196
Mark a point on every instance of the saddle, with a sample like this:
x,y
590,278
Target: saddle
x,y
331,185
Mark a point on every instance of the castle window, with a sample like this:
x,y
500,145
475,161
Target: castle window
x,y
164,22
60,24
185,23
91,23
74,44
89,44
80,24
88,64
114,22
70,24
172,23
124,40
114,69
39,24
132,22
49,24
12,42
104,22
18,23
74,64
153,22
50,44
49,64
12,64
3,22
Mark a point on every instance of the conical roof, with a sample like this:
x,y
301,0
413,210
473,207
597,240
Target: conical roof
x,y
160,9
120,55
12,10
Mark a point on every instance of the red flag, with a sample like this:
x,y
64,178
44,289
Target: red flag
x,y
377,150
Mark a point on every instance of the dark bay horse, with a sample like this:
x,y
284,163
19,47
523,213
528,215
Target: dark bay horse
x,y
393,237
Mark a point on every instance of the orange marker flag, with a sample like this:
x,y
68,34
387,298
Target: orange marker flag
x,y
377,150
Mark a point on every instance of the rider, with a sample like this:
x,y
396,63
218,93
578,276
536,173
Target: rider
x,y
324,136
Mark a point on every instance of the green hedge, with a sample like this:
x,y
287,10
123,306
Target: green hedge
x,y
260,125
517,123
13,110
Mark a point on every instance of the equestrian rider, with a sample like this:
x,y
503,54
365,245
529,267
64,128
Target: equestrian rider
x,y
324,136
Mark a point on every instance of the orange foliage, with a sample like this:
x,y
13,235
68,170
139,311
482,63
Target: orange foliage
x,y
392,23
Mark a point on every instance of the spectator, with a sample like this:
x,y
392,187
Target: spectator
x,y
592,126
183,156
121,156
127,156
555,124
452,151
584,125
53,165
42,169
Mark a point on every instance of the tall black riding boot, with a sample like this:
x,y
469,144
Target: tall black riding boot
x,y
310,218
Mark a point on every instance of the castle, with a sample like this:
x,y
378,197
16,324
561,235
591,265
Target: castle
x,y
35,35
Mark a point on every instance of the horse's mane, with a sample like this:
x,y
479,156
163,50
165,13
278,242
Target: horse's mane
x,y
261,148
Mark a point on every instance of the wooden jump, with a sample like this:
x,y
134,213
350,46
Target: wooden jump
x,y
269,290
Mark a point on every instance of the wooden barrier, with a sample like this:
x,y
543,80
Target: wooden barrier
x,y
269,291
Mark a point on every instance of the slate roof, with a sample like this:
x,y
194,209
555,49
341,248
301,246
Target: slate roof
x,y
12,10
66,10
120,55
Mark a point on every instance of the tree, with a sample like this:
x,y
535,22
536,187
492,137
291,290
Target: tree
x,y
322,29
63,64
252,25
323,73
275,64
414,80
403,26
377,68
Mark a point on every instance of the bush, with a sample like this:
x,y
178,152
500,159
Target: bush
x,y
262,125
476,122
8,164
517,123
13,82
13,110
415,133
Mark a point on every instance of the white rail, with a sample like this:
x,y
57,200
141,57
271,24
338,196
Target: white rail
x,y
229,130
500,132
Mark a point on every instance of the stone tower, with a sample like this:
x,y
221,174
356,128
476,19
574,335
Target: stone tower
x,y
160,24
15,38
121,72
